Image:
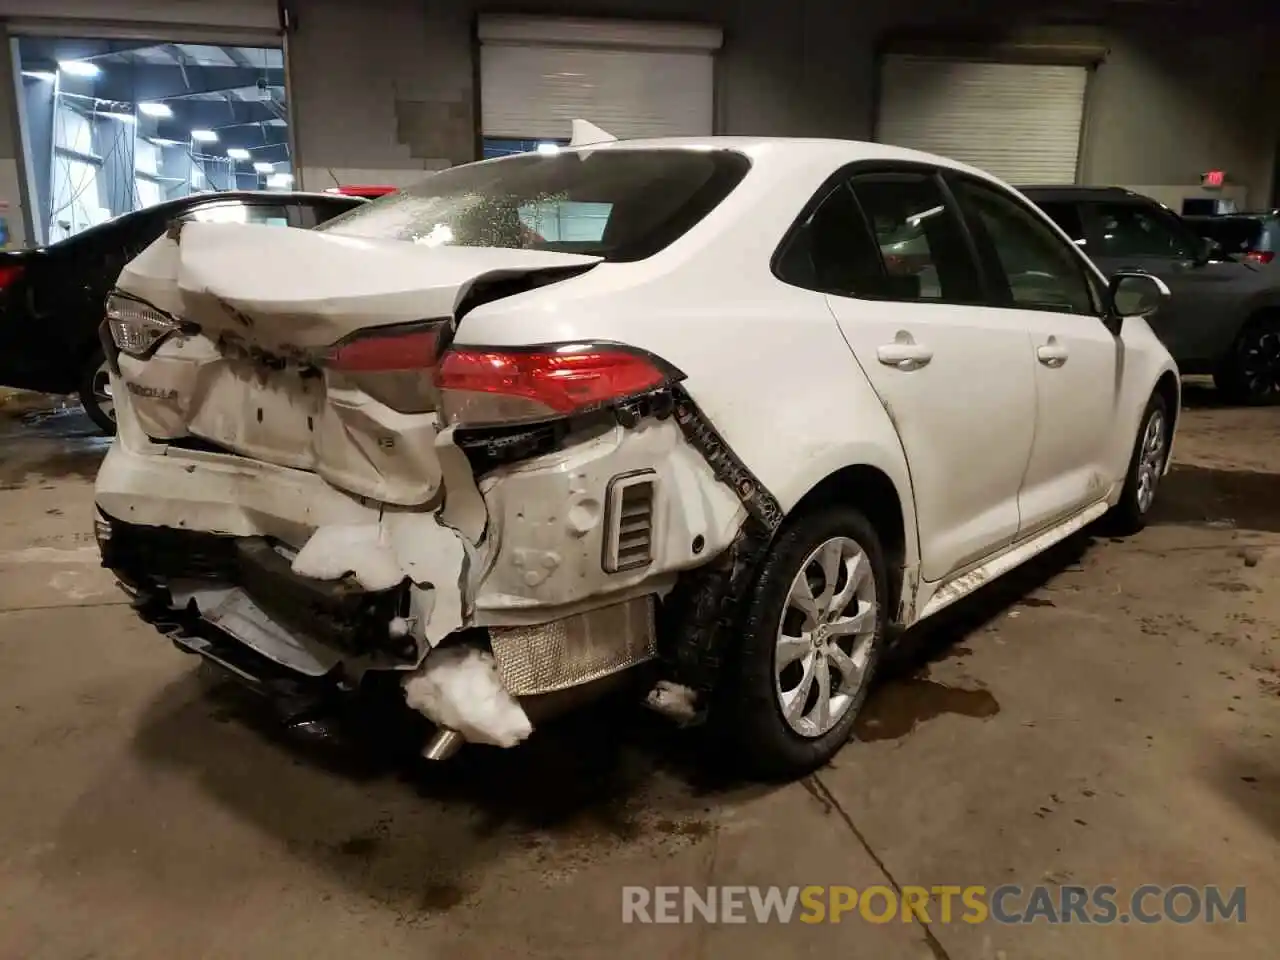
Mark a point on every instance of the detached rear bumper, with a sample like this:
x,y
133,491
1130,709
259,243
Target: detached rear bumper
x,y
183,565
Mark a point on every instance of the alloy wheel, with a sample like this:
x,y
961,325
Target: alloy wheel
x,y
826,637
1151,460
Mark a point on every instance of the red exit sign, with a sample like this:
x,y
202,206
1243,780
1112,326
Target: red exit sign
x,y
1214,178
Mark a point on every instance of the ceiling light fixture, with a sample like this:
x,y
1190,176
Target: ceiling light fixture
x,y
155,109
45,75
79,68
282,180
204,136
237,153
262,166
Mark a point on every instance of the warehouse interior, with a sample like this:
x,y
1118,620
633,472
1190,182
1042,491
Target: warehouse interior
x,y
1146,94
1102,718
111,126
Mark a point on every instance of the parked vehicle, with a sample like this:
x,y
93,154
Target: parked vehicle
x,y
51,297
1251,236
437,440
1224,317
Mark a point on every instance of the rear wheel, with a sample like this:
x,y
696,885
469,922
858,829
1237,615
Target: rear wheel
x,y
1250,373
810,641
95,395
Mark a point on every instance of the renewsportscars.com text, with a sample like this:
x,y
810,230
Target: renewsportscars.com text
x,y
1007,904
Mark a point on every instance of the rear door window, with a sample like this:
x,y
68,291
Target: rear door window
x,y
1141,230
1238,235
921,241
832,250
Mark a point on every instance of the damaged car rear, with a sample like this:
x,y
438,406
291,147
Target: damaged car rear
x,y
499,439
318,475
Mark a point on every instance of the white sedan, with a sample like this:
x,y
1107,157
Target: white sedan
x,y
737,410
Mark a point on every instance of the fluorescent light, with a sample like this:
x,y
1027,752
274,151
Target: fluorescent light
x,y
237,153
165,142
155,109
44,75
280,180
122,117
204,136
79,68
548,149
262,166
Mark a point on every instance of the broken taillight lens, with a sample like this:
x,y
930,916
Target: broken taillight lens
x,y
393,365
136,326
491,386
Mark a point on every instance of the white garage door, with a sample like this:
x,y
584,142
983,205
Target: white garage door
x,y
248,15
1020,122
633,79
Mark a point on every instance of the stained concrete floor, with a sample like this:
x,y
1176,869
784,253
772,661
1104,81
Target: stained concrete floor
x,y
1108,716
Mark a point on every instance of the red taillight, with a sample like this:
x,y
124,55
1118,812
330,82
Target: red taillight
x,y
9,275
481,385
393,366
1260,256
415,350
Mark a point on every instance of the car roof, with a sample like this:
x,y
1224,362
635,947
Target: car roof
x,y
1079,193
813,149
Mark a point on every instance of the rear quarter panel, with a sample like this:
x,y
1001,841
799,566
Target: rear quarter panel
x,y
765,362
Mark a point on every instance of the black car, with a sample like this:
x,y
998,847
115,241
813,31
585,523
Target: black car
x,y
1224,315
1250,236
51,298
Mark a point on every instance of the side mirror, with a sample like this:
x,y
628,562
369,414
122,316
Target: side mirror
x,y
1211,250
1133,294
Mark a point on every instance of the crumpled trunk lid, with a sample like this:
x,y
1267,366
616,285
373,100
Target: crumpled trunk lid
x,y
269,303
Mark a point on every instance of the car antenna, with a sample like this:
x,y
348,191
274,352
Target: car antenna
x,y
585,132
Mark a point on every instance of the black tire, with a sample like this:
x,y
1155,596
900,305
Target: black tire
x,y
95,403
747,717
1249,374
1129,515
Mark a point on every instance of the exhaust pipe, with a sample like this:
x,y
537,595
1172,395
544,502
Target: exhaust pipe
x,y
444,743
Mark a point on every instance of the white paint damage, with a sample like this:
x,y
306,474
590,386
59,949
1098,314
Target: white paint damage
x,y
458,688
356,550
357,491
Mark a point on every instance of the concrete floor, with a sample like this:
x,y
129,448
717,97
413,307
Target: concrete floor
x,y
1108,717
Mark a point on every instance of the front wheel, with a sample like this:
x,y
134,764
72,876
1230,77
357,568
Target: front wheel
x,y
1250,374
1146,469
95,395
810,640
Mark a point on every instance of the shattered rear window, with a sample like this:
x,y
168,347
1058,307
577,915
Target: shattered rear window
x,y
618,204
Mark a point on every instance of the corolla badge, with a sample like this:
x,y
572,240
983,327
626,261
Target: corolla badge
x,y
151,393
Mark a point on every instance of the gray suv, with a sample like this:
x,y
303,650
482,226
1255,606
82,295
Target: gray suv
x,y
1224,315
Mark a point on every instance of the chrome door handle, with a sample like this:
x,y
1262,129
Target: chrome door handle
x,y
904,356
1052,354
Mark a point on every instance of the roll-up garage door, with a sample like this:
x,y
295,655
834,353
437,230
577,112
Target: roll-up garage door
x,y
633,79
247,15
1018,121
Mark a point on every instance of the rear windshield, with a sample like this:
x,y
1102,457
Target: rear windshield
x,y
616,203
1237,234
